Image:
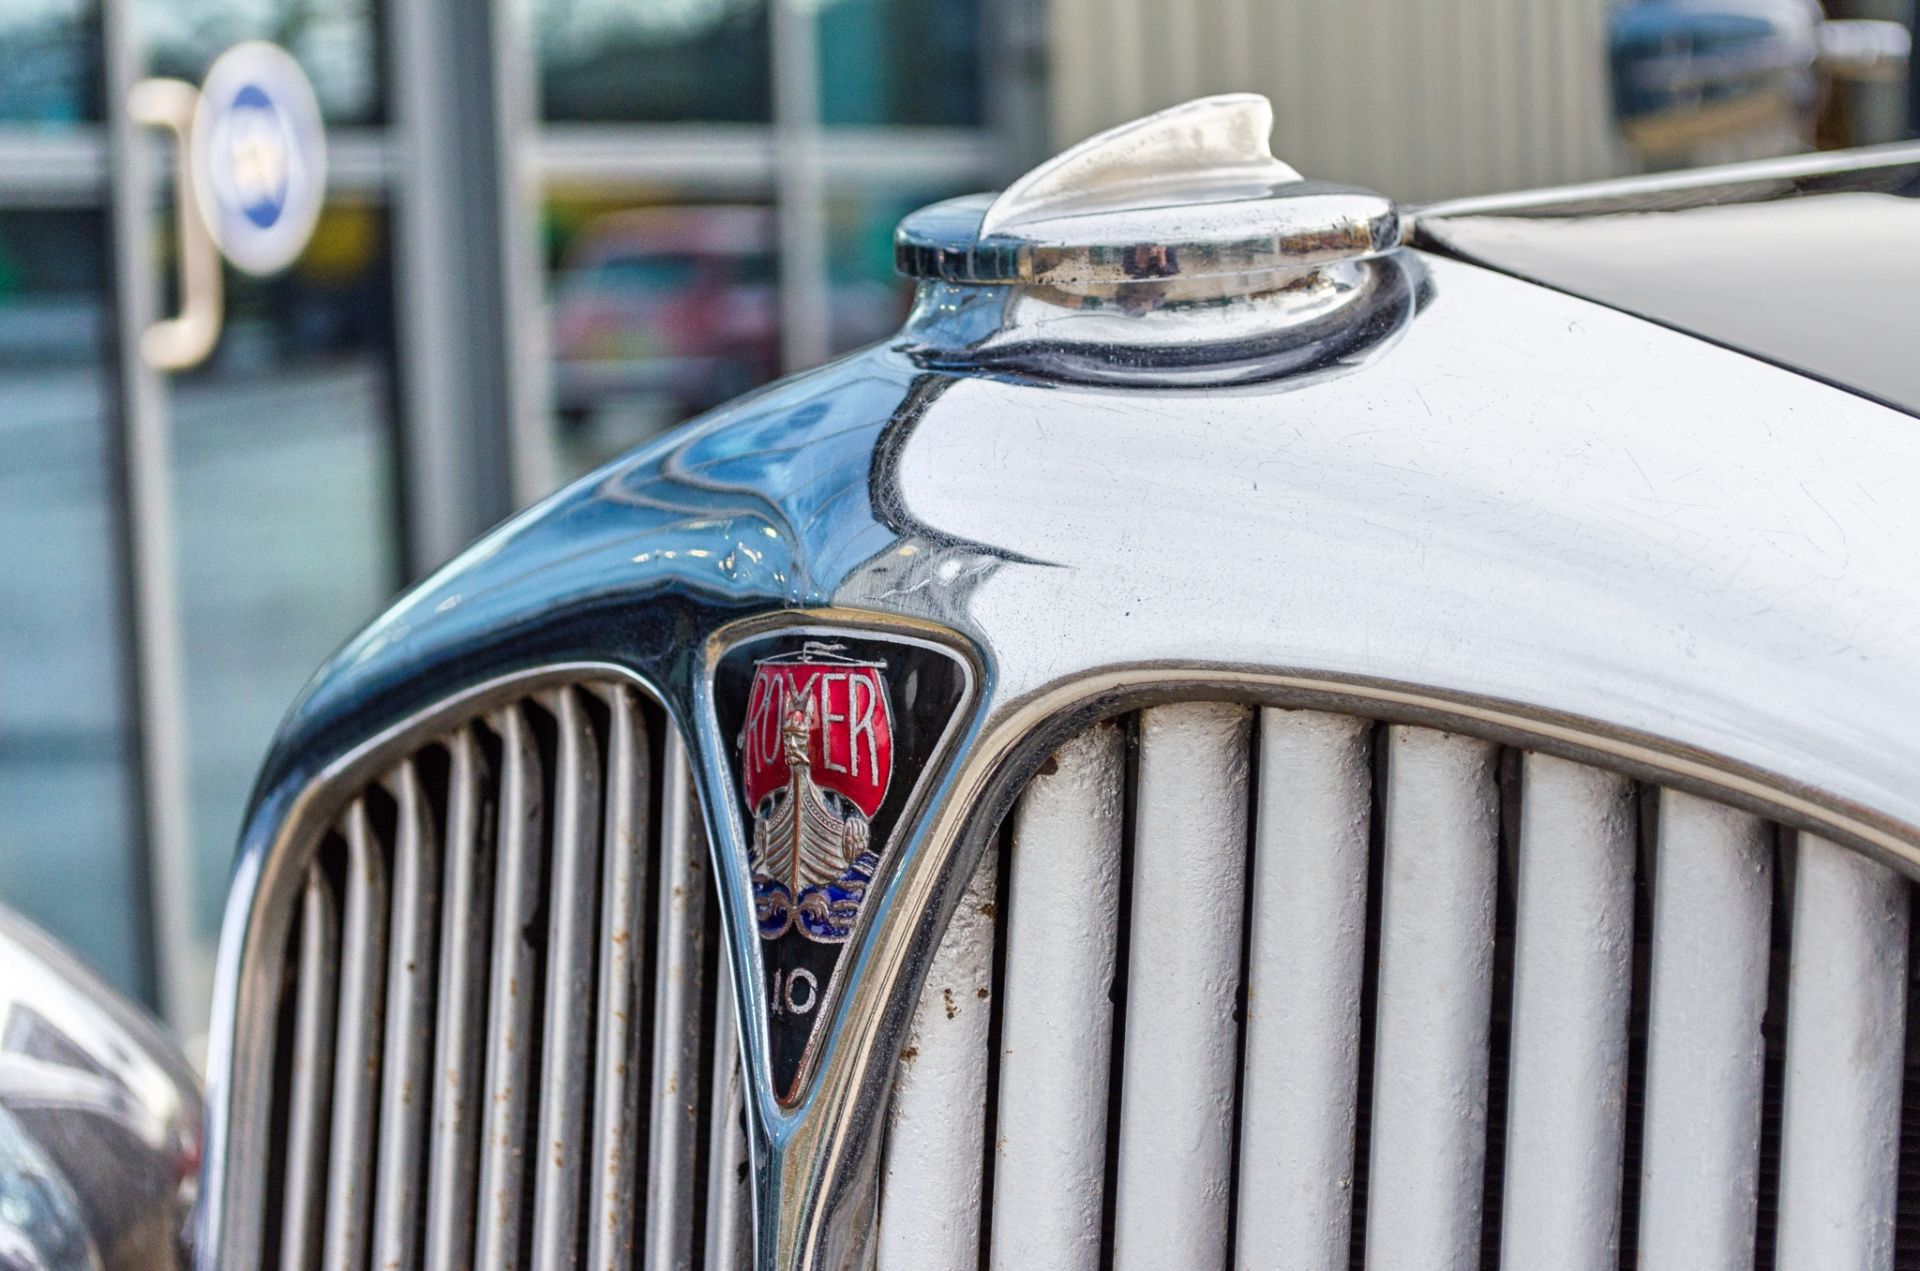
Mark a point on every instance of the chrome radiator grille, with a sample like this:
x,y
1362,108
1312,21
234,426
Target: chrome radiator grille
x,y
1262,987
1231,981
495,1045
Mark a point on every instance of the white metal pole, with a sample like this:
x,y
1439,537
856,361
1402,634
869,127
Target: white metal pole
x,y
146,482
806,299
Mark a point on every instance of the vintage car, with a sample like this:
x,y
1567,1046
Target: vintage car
x,y
1263,728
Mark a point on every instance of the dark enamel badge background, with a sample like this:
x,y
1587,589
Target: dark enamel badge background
x,y
828,735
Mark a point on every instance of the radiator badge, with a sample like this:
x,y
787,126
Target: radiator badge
x,y
816,761
831,734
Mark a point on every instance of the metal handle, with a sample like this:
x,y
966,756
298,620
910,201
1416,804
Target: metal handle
x,y
184,340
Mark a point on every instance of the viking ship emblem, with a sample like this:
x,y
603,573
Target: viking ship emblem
x,y
817,760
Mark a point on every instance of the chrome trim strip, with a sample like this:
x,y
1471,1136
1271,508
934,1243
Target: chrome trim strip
x,y
1174,1182
1789,168
453,1150
516,903
1305,959
363,955
1845,1059
311,1087
406,1067
1436,970
1712,910
729,1186
674,1126
561,1145
617,1093
1572,986
1049,1176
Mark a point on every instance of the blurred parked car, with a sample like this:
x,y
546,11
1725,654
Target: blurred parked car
x,y
1690,75
676,306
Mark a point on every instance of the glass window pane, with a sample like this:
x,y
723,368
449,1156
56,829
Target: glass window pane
x,y
900,62
660,309
66,824
654,61
870,300
337,43
285,507
49,62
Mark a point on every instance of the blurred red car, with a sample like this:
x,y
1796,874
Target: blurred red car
x,y
674,306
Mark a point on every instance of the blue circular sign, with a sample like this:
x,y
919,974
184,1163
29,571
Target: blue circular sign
x,y
259,157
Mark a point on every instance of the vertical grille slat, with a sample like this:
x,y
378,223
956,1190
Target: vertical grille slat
x,y
356,1064
1058,1008
511,992
453,1149
1436,967
1713,894
1183,978
404,1079
1846,1030
495,1041
931,1180
1306,953
729,1197
310,1088
622,940
562,1140
674,1118
1573,983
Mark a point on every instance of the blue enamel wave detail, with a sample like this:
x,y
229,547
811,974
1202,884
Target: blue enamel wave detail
x,y
824,912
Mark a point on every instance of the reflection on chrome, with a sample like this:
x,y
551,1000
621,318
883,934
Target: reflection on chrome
x,y
99,1118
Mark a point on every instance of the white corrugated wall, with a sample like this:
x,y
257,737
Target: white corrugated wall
x,y
1423,99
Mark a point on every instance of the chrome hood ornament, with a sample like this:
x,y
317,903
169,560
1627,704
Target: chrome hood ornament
x,y
1192,192
1173,251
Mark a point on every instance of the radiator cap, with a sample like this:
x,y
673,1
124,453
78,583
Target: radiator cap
x,y
1190,192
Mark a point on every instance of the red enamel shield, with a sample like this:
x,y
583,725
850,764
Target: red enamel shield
x,y
841,705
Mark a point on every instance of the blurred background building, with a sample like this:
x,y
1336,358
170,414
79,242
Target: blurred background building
x,y
555,228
